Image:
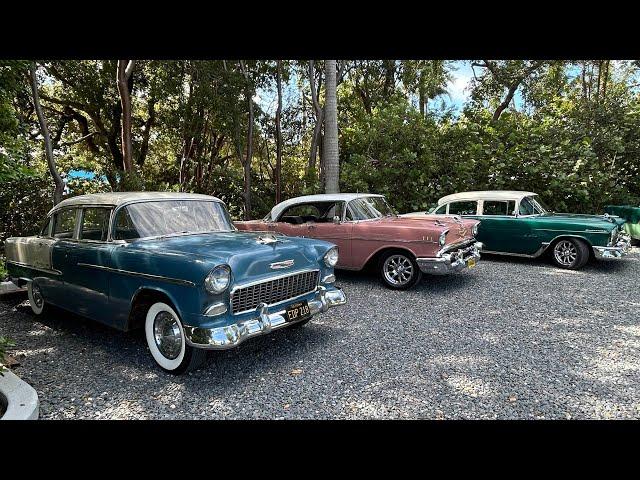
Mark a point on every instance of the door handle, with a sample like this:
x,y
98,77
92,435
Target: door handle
x,y
312,227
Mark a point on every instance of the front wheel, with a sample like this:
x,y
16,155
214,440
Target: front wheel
x,y
399,270
570,253
167,343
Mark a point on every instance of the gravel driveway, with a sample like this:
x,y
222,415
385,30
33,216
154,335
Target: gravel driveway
x,y
509,339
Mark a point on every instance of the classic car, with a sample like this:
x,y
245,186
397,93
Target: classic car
x,y
517,223
368,232
174,264
631,215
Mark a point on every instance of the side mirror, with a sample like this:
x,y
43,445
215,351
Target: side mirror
x,y
516,213
336,219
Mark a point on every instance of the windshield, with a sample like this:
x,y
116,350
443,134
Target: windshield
x,y
368,208
532,206
171,217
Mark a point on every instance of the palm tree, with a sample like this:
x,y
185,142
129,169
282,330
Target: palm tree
x,y
330,141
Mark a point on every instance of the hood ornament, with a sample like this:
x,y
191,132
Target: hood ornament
x,y
267,239
281,265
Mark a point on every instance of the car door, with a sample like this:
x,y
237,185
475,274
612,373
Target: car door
x,y
338,232
500,229
63,231
92,257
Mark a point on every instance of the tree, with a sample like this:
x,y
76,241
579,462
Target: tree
x,y
319,114
278,173
44,129
508,75
330,148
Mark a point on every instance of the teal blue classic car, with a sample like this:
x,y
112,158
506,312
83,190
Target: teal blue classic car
x,y
174,264
517,223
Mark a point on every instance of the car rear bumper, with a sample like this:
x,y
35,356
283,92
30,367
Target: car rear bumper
x,y
621,248
452,261
222,338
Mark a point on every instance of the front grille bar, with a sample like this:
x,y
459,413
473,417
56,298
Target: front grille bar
x,y
276,290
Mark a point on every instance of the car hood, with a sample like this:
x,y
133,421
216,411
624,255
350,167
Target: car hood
x,y
588,221
244,252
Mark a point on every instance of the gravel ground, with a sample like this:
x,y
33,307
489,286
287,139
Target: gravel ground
x,y
509,339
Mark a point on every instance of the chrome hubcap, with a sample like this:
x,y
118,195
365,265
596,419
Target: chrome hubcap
x,y
398,270
38,299
565,252
166,333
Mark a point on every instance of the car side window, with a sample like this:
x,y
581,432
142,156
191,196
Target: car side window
x,y
526,207
64,223
499,207
463,208
95,224
441,210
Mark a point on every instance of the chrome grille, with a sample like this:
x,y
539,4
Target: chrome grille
x,y
273,291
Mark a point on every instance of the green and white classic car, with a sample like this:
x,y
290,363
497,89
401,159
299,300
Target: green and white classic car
x,y
517,223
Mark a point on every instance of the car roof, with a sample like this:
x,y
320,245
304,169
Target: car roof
x,y
486,195
121,198
324,197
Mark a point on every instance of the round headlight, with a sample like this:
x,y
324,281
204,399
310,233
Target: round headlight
x,y
475,229
218,279
443,238
331,257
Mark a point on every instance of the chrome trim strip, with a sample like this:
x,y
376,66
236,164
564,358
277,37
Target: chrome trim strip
x,y
331,278
216,309
24,265
177,281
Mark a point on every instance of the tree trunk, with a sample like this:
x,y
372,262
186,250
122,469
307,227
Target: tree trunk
x,y
247,161
319,111
330,150
44,129
123,73
279,135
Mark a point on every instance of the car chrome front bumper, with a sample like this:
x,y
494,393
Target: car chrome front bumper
x,y
621,248
452,261
229,336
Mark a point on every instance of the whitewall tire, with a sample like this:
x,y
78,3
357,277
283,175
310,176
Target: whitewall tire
x,y
166,340
36,299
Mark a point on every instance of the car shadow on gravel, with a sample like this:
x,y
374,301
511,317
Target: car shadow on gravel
x,y
431,283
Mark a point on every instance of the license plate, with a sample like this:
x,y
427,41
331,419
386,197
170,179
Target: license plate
x,y
471,262
297,311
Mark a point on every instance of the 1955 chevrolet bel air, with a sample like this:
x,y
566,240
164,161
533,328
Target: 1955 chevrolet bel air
x,y
369,232
174,264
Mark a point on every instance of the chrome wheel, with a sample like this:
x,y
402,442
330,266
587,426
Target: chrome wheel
x,y
565,253
398,270
38,299
167,335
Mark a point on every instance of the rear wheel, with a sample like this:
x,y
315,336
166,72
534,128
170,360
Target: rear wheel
x,y
167,343
570,253
399,270
36,299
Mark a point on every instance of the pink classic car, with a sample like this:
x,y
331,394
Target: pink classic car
x,y
368,232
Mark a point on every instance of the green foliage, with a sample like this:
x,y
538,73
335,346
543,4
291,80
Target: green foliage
x,y
572,135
